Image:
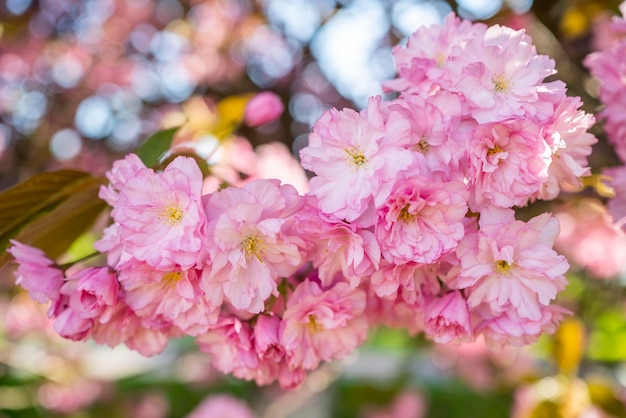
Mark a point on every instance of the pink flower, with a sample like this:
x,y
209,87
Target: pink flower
x,y
447,319
266,340
160,216
221,406
421,220
500,74
510,328
617,205
590,239
91,291
230,345
423,64
171,296
340,247
438,137
252,243
36,272
119,324
508,161
322,324
263,108
69,324
567,136
510,265
122,171
275,161
356,157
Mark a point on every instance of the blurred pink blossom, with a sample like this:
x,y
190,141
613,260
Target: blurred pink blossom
x,y
263,108
221,406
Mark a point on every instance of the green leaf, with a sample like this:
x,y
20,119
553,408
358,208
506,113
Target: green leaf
x,y
56,230
155,146
202,163
25,202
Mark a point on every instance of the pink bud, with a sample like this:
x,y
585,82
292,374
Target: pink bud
x,y
266,341
447,319
263,108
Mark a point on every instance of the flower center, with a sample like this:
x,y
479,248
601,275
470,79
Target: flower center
x,y
172,214
252,246
171,278
495,150
502,266
356,157
406,216
423,146
501,84
313,325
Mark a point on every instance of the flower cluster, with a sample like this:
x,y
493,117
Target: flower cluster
x,y
608,65
434,174
409,222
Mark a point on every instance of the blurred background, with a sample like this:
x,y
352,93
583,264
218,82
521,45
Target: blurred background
x,y
82,82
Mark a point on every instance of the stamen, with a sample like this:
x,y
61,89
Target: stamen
x,y
495,150
172,214
252,246
501,84
357,158
423,146
405,216
313,325
502,266
171,278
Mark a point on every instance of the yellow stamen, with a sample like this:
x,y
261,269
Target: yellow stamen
x,y
502,266
495,150
423,146
173,214
171,278
252,246
357,158
405,216
501,84
313,325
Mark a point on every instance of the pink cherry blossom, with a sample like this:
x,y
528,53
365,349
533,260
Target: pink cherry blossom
x,y
266,340
252,243
423,64
263,108
122,171
447,319
322,324
567,136
340,247
438,137
510,328
617,204
160,216
590,239
421,220
171,296
69,324
91,291
511,266
221,406
230,345
357,157
509,162
119,324
501,75
36,273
